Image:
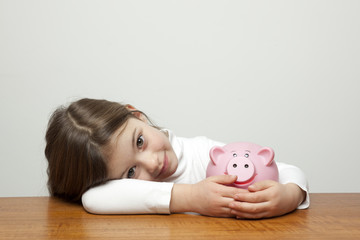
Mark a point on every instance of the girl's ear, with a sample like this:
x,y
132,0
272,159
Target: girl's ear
x,y
138,114
130,107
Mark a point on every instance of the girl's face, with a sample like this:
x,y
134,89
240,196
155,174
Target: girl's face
x,y
140,151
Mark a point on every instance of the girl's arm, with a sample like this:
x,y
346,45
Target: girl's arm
x,y
269,199
129,196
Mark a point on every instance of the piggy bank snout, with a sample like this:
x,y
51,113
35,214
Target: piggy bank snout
x,y
243,168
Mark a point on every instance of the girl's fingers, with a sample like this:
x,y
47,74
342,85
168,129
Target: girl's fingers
x,y
223,179
260,186
251,197
241,208
245,215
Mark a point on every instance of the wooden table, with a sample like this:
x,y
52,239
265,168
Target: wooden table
x,y
330,216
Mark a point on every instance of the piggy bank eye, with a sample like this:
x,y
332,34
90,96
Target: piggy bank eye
x,y
246,155
234,155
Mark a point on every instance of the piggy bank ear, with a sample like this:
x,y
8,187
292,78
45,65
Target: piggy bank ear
x,y
267,155
215,154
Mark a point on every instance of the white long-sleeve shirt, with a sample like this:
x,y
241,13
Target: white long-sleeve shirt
x,y
132,196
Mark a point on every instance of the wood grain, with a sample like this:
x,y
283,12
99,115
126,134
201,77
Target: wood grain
x,y
330,216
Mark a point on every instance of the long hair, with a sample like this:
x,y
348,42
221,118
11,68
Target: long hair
x,y
75,139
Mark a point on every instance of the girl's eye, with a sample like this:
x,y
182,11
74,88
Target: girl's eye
x,y
140,141
246,155
131,172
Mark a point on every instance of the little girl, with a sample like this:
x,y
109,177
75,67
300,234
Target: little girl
x,y
110,157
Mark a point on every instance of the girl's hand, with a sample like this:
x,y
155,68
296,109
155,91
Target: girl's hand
x,y
267,199
209,197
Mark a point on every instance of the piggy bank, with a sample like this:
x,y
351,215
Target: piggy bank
x,y
248,161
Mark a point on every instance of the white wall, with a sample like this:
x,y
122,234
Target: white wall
x,y
285,74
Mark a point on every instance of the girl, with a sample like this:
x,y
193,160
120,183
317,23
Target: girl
x,y
113,159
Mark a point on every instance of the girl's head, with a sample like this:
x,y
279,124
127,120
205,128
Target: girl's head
x,y
75,139
92,141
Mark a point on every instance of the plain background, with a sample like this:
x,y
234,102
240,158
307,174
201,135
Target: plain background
x,y
284,74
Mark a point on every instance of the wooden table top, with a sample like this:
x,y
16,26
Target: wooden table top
x,y
330,216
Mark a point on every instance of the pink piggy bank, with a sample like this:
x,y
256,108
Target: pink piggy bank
x,y
248,161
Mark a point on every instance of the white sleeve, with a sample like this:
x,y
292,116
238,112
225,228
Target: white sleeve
x,y
291,174
129,196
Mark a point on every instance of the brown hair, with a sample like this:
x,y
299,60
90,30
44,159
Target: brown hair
x,y
75,138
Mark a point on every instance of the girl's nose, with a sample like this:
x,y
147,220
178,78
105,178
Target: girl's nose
x,y
149,162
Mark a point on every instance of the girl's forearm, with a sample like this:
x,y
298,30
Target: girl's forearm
x,y
298,193
181,198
